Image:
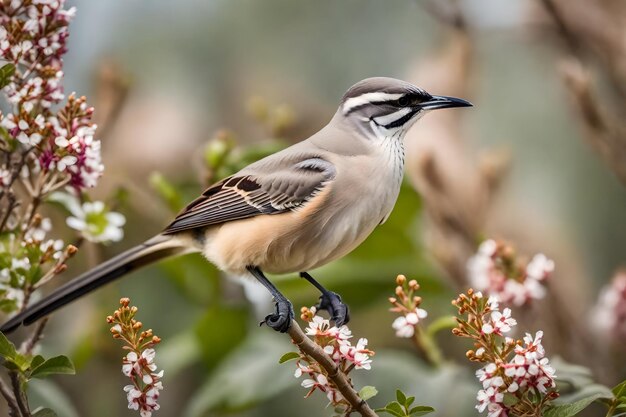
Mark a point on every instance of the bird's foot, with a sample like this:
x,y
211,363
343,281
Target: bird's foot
x,y
331,302
281,319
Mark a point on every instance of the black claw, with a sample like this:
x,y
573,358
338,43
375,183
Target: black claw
x,y
281,319
331,302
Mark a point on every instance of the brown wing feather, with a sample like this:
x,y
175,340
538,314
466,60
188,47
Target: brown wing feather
x,y
242,196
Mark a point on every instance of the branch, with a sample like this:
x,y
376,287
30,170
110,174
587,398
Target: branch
x,y
339,378
19,394
35,337
5,391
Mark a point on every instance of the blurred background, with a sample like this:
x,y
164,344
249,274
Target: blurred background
x,y
539,161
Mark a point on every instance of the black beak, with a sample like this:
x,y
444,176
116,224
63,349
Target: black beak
x,y
444,102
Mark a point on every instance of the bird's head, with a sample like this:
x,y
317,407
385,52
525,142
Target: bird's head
x,y
383,108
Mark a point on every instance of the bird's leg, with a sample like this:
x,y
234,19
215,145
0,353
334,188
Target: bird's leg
x,y
330,301
281,319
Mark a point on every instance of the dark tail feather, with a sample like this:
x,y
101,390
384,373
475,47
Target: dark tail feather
x,y
148,252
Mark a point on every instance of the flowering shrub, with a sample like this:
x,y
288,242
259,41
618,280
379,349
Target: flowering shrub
x,y
138,364
496,271
49,146
521,372
48,149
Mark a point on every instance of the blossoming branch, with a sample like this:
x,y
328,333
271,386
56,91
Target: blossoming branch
x,y
47,151
138,364
517,378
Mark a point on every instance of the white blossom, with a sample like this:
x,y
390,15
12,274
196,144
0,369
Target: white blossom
x,y
405,325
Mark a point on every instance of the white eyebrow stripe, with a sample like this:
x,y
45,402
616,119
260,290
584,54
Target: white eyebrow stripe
x,y
392,117
353,102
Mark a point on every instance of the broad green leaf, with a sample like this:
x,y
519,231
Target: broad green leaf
x,y
409,401
400,397
7,349
393,408
367,392
6,72
44,412
585,392
36,361
56,365
568,410
289,356
420,410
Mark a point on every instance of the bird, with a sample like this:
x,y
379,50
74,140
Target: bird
x,y
292,211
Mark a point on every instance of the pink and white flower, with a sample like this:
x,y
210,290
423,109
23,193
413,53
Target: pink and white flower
x,y
489,270
405,325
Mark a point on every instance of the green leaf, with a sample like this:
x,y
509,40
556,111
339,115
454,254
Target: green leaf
x,y
7,305
44,412
568,410
409,401
37,360
6,72
289,356
420,410
56,365
394,409
367,392
619,390
400,397
7,349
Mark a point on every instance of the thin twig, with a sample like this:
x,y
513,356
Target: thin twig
x,y
339,378
35,337
5,391
22,403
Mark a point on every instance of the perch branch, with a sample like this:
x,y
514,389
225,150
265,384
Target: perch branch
x,y
339,378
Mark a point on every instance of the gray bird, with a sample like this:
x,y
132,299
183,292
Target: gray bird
x,y
291,211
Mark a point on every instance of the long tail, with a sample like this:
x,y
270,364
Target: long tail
x,y
148,252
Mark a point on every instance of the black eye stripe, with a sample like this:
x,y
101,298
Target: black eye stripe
x,y
401,121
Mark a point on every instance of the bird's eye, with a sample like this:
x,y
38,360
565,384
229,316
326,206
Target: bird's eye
x,y
403,101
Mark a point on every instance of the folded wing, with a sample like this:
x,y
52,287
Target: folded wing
x,y
268,187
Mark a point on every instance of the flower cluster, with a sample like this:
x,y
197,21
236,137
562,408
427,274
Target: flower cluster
x,y
61,144
93,220
408,304
609,314
496,271
335,341
28,263
514,368
138,364
33,36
